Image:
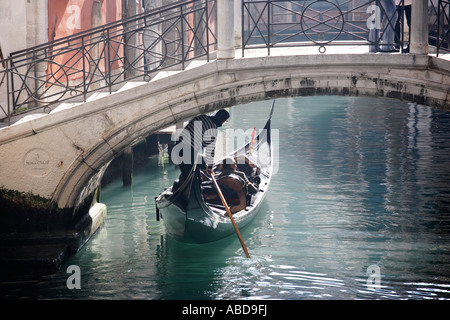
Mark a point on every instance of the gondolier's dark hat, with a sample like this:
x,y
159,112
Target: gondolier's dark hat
x,y
220,117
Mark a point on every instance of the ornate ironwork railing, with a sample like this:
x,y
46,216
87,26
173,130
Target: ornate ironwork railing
x,y
169,37
277,23
377,24
105,57
439,25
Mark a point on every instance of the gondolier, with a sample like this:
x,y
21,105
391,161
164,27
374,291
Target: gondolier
x,y
199,133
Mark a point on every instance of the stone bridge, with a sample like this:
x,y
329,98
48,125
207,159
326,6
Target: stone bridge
x,y
61,156
52,164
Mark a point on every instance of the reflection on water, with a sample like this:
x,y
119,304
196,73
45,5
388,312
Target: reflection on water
x,y
362,184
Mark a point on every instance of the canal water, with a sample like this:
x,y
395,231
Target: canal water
x,y
359,208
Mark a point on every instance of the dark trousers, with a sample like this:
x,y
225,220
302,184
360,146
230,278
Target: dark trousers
x,y
186,168
399,28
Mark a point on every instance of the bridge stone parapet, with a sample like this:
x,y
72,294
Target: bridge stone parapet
x,y
76,142
60,157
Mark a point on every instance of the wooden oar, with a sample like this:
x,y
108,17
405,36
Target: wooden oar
x,y
252,141
224,202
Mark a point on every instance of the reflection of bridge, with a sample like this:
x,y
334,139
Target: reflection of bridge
x,y
61,156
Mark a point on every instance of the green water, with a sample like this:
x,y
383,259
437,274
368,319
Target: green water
x,y
361,184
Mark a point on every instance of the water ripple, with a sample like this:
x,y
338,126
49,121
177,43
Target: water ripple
x,y
362,184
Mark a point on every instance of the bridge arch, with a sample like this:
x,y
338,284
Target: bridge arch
x,y
80,141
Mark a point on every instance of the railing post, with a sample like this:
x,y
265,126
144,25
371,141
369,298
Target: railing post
x,y
419,27
108,62
183,57
269,27
8,100
225,29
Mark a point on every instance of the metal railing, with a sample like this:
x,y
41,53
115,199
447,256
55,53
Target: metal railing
x,y
278,23
105,57
439,26
377,24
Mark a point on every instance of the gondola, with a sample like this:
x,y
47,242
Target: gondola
x,y
192,213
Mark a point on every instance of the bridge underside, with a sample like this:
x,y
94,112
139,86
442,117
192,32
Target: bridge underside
x,y
61,156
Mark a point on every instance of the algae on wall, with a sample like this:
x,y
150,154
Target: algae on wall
x,y
26,212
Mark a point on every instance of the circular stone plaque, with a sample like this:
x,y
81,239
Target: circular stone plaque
x,y
37,162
